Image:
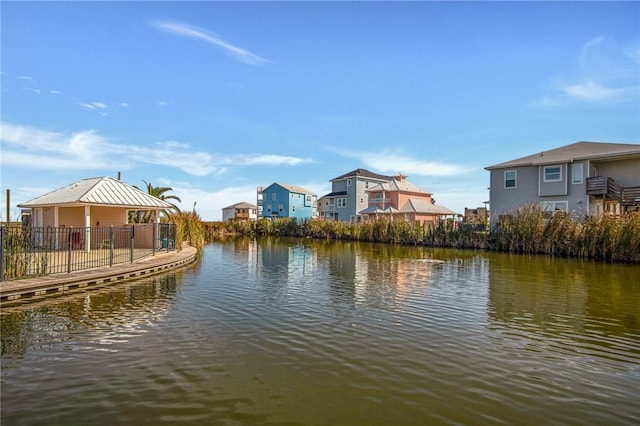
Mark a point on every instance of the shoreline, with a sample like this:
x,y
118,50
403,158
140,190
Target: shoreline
x,y
33,289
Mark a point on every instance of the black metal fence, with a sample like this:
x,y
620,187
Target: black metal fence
x,y
32,251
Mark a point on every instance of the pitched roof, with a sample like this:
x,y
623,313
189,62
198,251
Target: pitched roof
x,y
378,210
424,207
292,188
400,186
573,152
240,205
104,191
362,173
335,194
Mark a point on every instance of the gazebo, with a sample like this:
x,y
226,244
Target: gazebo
x,y
92,202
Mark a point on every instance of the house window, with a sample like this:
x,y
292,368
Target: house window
x,y
348,182
269,208
549,207
366,184
510,177
308,198
280,207
576,173
273,196
361,200
553,173
342,202
293,208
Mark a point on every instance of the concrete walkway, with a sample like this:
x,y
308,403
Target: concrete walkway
x,y
19,291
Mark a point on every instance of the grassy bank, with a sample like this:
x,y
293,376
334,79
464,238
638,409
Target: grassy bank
x,y
526,230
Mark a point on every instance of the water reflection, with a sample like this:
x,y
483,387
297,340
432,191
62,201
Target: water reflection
x,y
554,294
278,331
118,311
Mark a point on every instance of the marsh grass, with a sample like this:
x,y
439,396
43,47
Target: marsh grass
x,y
20,258
527,229
188,228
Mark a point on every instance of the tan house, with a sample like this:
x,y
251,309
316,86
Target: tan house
x,y
93,202
588,178
399,199
239,212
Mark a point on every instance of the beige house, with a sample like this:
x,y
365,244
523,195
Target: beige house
x,y
399,199
588,178
93,202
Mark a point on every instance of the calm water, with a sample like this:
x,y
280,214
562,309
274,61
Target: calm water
x,y
298,332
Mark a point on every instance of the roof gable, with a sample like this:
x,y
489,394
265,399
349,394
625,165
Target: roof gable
x,y
362,173
396,185
573,152
104,191
424,207
240,205
290,188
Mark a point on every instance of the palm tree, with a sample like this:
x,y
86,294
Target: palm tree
x,y
144,216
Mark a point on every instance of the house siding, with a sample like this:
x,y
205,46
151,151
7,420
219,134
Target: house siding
x,y
355,192
625,172
505,199
294,204
555,188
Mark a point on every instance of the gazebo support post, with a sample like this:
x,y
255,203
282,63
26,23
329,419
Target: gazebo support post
x,y
87,228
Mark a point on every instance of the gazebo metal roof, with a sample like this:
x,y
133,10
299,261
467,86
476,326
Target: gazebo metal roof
x,y
99,191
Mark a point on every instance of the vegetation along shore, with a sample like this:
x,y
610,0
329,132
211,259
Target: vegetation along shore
x,y
527,230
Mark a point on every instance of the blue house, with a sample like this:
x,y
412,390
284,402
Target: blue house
x,y
282,200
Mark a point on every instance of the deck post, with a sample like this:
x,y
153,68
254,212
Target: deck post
x,y
111,241
69,244
2,252
133,227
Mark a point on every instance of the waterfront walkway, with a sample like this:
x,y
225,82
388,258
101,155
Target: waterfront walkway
x,y
20,291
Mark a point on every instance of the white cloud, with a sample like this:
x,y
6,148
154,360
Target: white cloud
x,y
55,92
394,161
273,160
30,147
184,30
607,72
592,91
124,104
93,105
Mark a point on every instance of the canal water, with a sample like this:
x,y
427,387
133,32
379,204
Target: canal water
x,y
300,332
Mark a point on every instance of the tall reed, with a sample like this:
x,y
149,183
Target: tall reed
x,y
188,228
527,229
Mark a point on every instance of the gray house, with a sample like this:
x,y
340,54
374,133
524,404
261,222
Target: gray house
x,y
589,178
349,195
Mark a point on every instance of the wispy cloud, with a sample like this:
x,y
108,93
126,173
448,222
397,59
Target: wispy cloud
x,y
395,161
93,105
606,73
592,91
189,31
31,147
273,160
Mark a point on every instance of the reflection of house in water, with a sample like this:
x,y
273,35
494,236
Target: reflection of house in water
x,y
365,275
562,294
281,261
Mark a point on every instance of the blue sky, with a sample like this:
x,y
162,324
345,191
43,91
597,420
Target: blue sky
x,y
216,98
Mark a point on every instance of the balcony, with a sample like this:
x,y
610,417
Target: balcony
x,y
380,201
608,188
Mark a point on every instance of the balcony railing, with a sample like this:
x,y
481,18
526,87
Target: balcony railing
x,y
380,201
610,189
